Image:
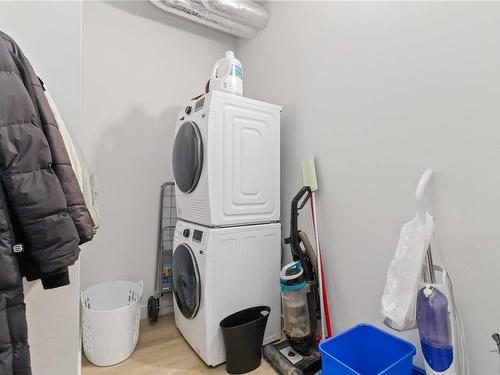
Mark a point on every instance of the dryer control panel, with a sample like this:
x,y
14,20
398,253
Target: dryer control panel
x,y
199,104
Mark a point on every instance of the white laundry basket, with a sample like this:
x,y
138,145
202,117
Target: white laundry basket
x,y
111,312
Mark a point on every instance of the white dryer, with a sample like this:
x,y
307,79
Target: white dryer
x,y
226,161
219,271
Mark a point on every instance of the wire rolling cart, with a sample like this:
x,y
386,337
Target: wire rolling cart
x,y
166,230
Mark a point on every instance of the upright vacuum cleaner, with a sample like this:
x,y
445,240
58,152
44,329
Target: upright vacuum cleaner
x,y
298,353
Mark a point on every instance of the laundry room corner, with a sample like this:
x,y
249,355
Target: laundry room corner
x,y
378,100
138,72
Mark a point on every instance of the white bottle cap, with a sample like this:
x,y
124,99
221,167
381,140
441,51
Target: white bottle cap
x,y
428,291
230,54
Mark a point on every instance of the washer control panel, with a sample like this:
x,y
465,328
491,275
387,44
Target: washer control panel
x,y
197,235
189,233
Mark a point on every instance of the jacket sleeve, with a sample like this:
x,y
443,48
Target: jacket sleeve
x,y
61,163
35,196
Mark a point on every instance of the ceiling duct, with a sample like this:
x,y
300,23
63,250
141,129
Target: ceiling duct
x,y
242,18
245,12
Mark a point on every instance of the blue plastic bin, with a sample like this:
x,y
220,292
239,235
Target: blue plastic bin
x,y
366,350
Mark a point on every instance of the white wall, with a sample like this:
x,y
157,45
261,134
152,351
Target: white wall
x,y
49,35
140,66
378,92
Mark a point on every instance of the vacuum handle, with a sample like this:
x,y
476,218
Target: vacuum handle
x,y
298,202
306,190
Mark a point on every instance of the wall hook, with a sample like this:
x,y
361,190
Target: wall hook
x,y
420,195
429,275
496,338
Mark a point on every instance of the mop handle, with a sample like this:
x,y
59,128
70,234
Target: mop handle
x,y
325,306
325,317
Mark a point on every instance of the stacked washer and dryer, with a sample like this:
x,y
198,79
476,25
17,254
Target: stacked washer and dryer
x,y
227,243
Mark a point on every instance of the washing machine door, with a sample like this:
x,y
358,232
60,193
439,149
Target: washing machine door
x,y
186,281
187,157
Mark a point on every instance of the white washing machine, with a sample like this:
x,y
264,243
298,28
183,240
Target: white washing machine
x,y
219,271
226,161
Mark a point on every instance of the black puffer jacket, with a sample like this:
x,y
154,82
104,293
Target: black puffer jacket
x,y
42,211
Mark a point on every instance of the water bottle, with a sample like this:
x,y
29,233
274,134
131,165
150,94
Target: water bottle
x,y
434,328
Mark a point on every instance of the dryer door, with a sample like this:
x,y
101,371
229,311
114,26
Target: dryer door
x,y
186,281
187,157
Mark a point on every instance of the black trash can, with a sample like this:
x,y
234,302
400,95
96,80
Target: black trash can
x,y
243,334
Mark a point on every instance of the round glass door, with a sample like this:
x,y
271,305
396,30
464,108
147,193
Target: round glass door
x,y
187,157
186,281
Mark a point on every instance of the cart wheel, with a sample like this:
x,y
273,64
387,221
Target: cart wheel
x,y
153,308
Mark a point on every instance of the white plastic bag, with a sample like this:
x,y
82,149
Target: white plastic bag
x,y
405,270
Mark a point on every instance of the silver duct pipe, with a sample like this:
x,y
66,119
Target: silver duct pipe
x,y
245,12
241,18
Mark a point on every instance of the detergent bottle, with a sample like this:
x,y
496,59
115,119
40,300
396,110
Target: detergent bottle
x,y
227,75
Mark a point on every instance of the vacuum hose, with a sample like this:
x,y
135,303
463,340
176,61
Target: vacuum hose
x,y
309,250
